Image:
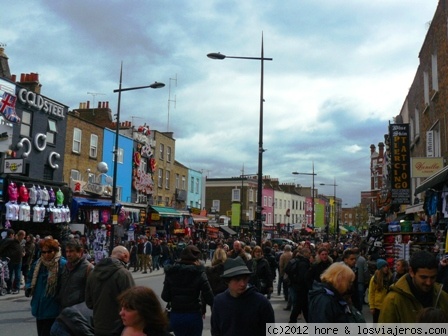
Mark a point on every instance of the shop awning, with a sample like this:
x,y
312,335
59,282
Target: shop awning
x,y
79,202
433,180
166,211
199,219
227,230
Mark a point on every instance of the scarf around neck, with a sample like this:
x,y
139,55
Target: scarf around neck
x,y
53,271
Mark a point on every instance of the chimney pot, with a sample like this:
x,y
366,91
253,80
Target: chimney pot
x,y
13,78
88,104
99,104
22,77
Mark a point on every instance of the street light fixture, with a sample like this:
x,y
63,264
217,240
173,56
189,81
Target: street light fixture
x,y
336,222
219,56
312,193
114,208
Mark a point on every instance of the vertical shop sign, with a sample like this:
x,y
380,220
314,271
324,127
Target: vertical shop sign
x,y
401,163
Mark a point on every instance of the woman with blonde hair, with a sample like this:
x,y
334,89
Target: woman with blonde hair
x,y
378,287
42,283
215,271
328,300
142,313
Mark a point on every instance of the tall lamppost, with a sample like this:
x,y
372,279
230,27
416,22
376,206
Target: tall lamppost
x,y
219,56
335,204
114,207
312,193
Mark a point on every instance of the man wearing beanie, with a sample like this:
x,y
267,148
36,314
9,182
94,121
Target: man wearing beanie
x,y
185,285
241,309
414,291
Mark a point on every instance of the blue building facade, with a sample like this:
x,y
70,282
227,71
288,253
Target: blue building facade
x,y
194,196
124,164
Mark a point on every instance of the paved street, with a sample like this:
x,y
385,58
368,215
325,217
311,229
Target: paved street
x,y
16,319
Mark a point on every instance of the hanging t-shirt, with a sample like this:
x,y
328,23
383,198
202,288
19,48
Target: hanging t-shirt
x,y
24,212
45,196
33,195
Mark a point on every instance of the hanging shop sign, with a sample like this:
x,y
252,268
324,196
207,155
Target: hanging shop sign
x,y
400,167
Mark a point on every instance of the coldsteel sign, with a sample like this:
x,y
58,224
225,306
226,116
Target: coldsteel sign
x,y
40,103
401,171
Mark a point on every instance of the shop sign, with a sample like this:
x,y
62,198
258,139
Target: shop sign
x,y
425,167
41,103
13,166
401,163
94,188
155,216
179,231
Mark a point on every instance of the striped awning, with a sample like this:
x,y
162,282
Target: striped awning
x,y
166,211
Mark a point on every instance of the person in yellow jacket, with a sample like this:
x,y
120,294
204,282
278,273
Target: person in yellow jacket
x,y
414,291
378,287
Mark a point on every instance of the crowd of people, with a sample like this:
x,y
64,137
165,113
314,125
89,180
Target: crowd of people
x,y
322,283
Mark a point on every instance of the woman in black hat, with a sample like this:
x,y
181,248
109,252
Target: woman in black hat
x,y
184,286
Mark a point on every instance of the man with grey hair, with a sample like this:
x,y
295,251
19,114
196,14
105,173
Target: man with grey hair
x,y
283,261
109,278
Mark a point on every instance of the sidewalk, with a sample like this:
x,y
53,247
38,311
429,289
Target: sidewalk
x,y
135,275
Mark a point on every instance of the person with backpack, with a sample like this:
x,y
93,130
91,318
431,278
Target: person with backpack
x,y
297,270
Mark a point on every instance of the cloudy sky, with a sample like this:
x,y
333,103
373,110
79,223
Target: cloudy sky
x,y
340,72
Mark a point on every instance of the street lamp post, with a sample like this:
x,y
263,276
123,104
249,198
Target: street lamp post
x,y
114,206
336,222
220,56
312,193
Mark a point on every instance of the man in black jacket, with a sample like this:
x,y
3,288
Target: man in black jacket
x,y
109,278
12,249
74,275
298,289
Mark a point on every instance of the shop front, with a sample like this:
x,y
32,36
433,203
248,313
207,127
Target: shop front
x,y
163,222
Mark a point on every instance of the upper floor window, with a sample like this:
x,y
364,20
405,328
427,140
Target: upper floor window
x,y
77,136
434,74
162,150
184,183
167,179
160,178
75,175
236,195
120,155
25,124
177,181
426,87
93,145
192,184
197,186
168,153
51,132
